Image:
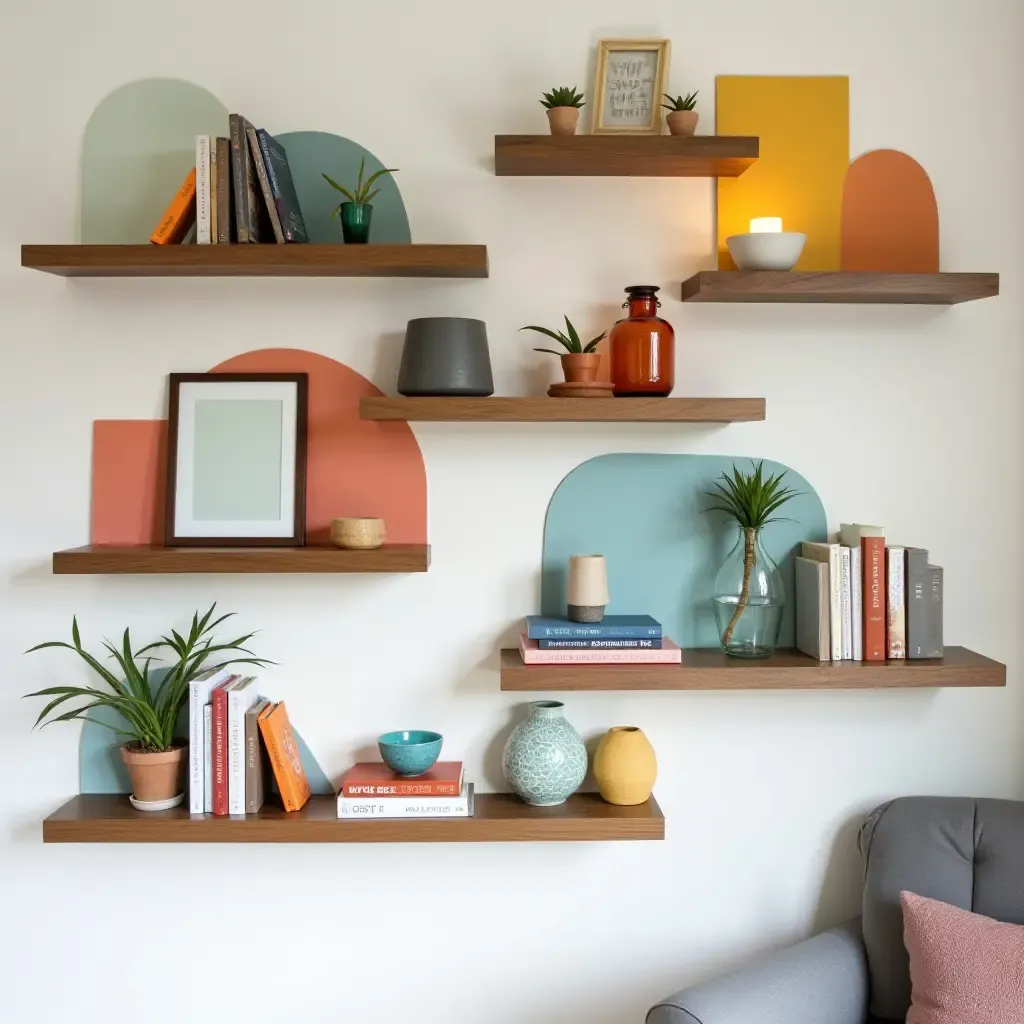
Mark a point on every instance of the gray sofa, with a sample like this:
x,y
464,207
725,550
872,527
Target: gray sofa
x,y
966,852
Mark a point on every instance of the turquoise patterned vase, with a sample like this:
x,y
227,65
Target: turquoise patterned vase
x,y
544,760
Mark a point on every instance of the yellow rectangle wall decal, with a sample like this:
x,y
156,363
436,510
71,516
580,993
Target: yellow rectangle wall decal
x,y
803,123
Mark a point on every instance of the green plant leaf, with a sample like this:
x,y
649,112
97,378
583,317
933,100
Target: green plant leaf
x,y
550,351
594,342
574,338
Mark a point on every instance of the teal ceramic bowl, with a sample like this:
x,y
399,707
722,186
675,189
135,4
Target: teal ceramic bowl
x,y
410,753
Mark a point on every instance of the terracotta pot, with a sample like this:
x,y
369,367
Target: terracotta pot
x,y
156,776
563,120
580,367
625,766
359,534
682,122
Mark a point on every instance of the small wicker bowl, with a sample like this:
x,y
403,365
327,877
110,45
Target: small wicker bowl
x,y
359,534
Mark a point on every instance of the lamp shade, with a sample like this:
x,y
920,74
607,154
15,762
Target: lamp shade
x,y
445,355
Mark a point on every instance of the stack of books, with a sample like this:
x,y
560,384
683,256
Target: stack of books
x,y
240,744
861,600
615,640
240,190
371,790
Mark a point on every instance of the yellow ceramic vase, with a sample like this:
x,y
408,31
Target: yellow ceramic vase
x,y
625,766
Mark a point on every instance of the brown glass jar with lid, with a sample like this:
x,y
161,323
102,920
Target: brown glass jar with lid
x,y
643,347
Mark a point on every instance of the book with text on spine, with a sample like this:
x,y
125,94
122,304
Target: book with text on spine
x,y
284,756
199,690
375,779
653,644
460,806
241,697
533,655
179,217
895,602
871,540
203,194
219,747
255,754
275,163
611,627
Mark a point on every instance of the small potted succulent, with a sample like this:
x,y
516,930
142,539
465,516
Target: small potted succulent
x,y
580,362
357,211
153,754
681,117
563,107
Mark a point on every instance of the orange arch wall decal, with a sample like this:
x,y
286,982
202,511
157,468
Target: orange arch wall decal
x,y
354,467
890,218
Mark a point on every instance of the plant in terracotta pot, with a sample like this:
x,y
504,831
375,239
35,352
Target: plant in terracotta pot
x,y
148,710
681,117
357,211
563,107
580,362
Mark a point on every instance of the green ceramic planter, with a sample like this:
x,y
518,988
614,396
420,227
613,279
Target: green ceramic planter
x,y
355,222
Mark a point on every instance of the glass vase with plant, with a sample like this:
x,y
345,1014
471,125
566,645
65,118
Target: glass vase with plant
x,y
749,595
563,107
357,212
681,117
580,362
146,710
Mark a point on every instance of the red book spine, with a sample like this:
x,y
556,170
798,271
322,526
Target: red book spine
x,y
873,563
370,789
218,758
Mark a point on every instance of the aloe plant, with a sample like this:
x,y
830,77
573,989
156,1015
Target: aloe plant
x,y
563,96
150,710
687,102
361,193
568,339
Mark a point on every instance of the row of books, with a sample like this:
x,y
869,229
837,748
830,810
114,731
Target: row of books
x,y
615,640
371,790
858,599
240,190
239,744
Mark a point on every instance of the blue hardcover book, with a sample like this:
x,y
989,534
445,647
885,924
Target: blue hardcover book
x,y
612,627
653,644
282,187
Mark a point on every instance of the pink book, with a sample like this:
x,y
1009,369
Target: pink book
x,y
670,654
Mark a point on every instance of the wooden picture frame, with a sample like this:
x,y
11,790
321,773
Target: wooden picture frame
x,y
632,76
228,469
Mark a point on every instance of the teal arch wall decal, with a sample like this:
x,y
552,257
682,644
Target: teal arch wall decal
x,y
138,146
310,156
643,512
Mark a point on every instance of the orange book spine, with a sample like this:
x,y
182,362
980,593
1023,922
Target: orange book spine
x,y
873,599
284,757
179,216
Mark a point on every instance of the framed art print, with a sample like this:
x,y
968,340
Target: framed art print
x,y
631,78
236,459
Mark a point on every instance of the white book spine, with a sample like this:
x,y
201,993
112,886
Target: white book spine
x,y
846,598
203,189
239,701
407,807
196,746
857,602
207,772
835,594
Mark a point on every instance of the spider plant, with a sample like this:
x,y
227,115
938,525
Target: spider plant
x,y
362,192
751,501
150,709
568,339
687,102
562,97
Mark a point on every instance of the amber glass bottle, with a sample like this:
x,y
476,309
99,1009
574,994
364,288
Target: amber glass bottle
x,y
643,347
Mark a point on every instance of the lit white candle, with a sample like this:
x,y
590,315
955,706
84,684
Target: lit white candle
x,y
763,225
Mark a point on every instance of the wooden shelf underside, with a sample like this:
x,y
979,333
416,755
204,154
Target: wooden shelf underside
x,y
841,286
563,410
102,559
645,156
257,260
498,818
710,669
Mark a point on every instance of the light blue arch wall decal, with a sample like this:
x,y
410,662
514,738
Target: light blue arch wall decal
x,y
313,154
643,512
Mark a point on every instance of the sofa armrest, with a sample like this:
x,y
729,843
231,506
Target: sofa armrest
x,y
823,980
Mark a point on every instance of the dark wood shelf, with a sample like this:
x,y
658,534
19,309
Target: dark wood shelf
x,y
710,669
257,260
563,410
638,156
839,286
102,559
498,818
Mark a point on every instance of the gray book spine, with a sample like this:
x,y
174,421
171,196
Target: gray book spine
x,y
918,603
253,759
934,642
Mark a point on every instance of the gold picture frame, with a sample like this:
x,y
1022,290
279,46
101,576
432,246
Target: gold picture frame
x,y
629,102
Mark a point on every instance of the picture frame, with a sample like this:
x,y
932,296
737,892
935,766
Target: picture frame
x,y
236,460
632,76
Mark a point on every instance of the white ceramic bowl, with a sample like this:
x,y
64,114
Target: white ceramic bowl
x,y
767,250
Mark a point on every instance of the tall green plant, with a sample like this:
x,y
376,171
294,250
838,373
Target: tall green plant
x,y
152,713
568,339
361,192
751,501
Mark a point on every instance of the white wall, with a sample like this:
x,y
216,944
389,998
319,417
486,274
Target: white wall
x,y
760,791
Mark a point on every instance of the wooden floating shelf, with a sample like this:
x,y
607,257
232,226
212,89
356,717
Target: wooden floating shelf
x,y
102,559
638,156
840,286
498,818
710,669
563,410
257,260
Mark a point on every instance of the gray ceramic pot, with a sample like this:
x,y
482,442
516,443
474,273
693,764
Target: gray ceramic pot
x,y
445,355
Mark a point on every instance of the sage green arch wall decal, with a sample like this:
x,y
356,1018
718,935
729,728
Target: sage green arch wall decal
x,y
138,146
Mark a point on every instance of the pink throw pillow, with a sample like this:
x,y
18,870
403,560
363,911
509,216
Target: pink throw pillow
x,y
964,968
